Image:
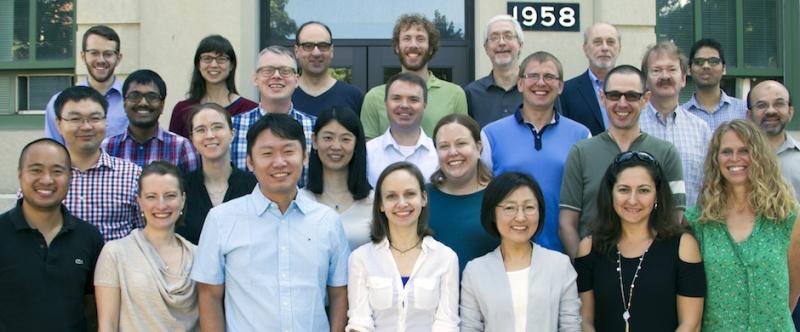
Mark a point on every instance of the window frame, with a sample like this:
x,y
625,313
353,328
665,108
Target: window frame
x,y
32,63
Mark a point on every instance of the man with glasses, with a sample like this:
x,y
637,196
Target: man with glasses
x,y
624,97
100,53
535,139
317,89
145,141
709,102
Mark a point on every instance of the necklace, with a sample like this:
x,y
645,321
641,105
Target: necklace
x,y
336,203
626,304
403,252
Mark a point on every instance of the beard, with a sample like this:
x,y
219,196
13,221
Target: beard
x,y
414,67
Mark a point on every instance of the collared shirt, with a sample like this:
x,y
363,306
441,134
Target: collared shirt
x,y
487,101
690,135
105,196
116,119
729,108
597,84
486,154
789,155
163,146
384,151
380,302
275,266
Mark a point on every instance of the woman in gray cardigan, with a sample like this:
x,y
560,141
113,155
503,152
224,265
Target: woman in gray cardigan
x,y
520,286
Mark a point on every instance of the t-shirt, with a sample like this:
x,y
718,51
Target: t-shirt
x,y
340,94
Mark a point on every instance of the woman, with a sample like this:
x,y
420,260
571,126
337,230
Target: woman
x,y
142,280
337,172
520,286
456,188
213,81
745,223
403,280
216,181
638,271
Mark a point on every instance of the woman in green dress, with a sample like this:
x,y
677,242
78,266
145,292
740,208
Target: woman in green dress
x,y
745,225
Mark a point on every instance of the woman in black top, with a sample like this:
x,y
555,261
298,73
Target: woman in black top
x,y
638,271
216,181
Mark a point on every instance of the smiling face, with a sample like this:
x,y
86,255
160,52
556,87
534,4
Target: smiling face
x,y
277,164
707,75
101,57
402,199
211,135
161,200
335,145
413,48
458,152
502,44
665,76
44,176
316,61
405,105
145,112
539,94
275,86
214,72
634,195
770,107
83,125
624,114
517,216
602,46
734,159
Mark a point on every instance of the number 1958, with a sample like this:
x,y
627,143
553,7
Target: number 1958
x,y
545,16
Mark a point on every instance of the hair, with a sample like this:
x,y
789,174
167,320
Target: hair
x,y
212,44
499,18
586,32
163,167
300,29
626,69
357,182
44,140
768,193
667,48
380,224
406,21
281,125
606,231
541,57
278,50
76,94
750,103
196,109
707,42
102,31
409,78
145,76
438,178
502,186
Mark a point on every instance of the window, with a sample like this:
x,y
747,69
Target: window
x,y
37,34
33,92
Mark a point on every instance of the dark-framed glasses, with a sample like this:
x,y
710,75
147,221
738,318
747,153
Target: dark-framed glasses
x,y
150,97
629,95
322,46
220,59
712,61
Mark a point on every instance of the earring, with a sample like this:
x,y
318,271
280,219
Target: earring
x,y
655,206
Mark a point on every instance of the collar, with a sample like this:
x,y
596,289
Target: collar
x,y
593,78
115,87
291,112
18,219
428,244
433,81
160,135
788,144
652,112
724,98
423,141
521,120
262,204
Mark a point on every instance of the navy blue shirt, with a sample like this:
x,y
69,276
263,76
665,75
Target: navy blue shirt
x,y
340,94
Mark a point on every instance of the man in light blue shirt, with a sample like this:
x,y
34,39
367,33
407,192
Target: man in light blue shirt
x,y
273,256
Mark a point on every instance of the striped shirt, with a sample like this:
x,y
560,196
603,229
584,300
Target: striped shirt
x,y
729,108
163,146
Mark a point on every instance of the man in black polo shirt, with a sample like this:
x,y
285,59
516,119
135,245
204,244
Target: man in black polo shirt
x,y
47,256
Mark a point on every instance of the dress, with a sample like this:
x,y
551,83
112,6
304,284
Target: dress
x,y
662,277
747,288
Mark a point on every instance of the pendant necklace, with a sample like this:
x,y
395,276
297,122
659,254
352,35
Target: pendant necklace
x,y
626,315
403,252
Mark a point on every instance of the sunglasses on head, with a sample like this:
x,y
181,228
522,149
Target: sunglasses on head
x,y
631,155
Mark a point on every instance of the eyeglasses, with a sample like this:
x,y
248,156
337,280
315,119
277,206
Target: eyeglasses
x,y
713,61
202,130
629,95
508,37
221,59
779,104
78,121
322,46
150,97
98,53
269,71
631,155
511,210
547,78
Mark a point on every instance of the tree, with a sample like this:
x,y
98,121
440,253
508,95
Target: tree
x,y
447,30
281,26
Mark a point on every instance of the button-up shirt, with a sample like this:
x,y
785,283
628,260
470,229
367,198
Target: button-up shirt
x,y
116,119
275,266
384,150
597,85
487,101
163,146
690,135
789,155
729,108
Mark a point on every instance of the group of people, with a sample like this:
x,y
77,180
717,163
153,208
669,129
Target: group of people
x,y
534,205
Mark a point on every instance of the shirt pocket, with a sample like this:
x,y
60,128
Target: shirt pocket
x,y
426,293
380,292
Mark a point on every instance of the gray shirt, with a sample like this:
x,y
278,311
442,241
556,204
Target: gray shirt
x,y
789,155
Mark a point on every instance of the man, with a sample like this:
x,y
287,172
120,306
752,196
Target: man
x,y
100,53
317,90
709,102
47,256
103,189
581,97
406,99
624,97
272,257
665,68
415,40
495,95
535,139
145,140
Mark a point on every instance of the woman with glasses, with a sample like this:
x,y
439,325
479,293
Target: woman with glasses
x,y
520,286
638,271
746,224
213,81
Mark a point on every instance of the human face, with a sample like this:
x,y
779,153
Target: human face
x,y
315,62
211,135
161,201
275,86
405,105
770,107
504,50
143,113
623,114
540,94
664,75
217,70
335,145
707,75
413,48
634,195
44,176
277,163
402,199
517,216
602,46
458,152
733,158
101,57
83,125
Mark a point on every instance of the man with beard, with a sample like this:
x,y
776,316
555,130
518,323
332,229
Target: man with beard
x,y
316,89
665,68
709,102
415,40
100,53
581,98
145,141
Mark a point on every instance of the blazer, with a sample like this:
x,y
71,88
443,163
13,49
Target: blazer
x,y
579,103
553,303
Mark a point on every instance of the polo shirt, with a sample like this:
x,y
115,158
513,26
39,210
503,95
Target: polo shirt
x,y
487,101
116,118
384,151
164,145
789,155
275,266
587,164
339,95
42,286
729,108
443,98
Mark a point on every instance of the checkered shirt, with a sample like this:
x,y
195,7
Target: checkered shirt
x,y
163,146
729,108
